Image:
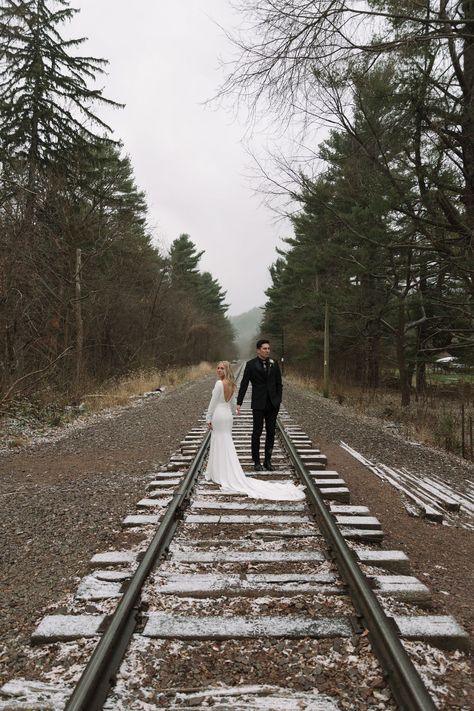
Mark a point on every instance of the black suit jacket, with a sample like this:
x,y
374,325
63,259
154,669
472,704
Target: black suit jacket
x,y
263,384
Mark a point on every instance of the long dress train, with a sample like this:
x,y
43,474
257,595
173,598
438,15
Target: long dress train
x,y
223,466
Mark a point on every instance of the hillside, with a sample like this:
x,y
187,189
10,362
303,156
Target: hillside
x,y
247,327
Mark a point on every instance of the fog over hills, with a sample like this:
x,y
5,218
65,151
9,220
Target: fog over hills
x,y
247,330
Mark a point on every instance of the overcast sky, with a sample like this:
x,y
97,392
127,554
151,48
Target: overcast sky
x,y
189,159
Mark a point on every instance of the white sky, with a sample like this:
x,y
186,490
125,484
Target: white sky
x,y
188,158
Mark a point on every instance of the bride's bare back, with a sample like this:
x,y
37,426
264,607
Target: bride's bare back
x,y
229,389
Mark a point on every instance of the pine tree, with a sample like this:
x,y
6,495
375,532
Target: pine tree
x,y
46,101
206,331
184,260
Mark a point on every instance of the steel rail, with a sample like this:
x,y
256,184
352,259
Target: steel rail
x,y
406,684
94,685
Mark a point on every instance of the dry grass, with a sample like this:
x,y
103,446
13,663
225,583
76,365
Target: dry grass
x,y
17,441
118,392
28,417
432,419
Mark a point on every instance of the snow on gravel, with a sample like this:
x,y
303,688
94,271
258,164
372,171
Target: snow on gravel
x,y
65,500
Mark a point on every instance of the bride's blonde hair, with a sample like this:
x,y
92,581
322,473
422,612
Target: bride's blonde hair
x,y
229,373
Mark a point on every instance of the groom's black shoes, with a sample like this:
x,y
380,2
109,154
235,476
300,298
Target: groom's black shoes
x,y
267,460
258,467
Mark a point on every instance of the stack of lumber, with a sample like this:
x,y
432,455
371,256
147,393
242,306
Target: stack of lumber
x,y
427,496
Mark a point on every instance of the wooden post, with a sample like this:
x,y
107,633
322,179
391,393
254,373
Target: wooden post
x,y
326,351
79,322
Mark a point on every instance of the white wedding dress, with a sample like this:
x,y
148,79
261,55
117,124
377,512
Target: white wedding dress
x,y
223,466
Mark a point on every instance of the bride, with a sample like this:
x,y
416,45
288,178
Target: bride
x,y
223,466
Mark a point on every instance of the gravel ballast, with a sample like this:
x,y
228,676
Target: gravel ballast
x,y
440,556
64,500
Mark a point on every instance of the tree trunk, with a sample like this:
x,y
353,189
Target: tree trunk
x,y
468,117
373,356
401,357
370,307
31,196
422,337
421,377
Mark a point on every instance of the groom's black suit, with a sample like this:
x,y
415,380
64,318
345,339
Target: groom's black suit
x,y
267,387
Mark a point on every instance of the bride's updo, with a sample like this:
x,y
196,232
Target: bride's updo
x,y
229,373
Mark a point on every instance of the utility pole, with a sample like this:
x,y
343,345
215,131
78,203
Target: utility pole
x,y
326,352
282,359
79,322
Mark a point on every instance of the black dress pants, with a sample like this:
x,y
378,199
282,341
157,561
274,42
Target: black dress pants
x,y
269,416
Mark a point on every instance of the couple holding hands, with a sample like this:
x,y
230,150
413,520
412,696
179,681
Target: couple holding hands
x,y
223,466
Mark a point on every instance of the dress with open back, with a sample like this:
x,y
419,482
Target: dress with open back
x,y
223,466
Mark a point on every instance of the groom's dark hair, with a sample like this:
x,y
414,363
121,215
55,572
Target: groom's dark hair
x,y
261,341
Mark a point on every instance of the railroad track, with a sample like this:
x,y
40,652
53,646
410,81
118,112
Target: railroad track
x,y
233,603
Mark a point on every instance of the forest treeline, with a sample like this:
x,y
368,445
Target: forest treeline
x,y
84,293
385,205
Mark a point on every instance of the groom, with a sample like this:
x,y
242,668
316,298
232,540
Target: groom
x,y
265,376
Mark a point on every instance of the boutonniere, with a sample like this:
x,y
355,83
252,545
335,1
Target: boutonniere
x,y
270,362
